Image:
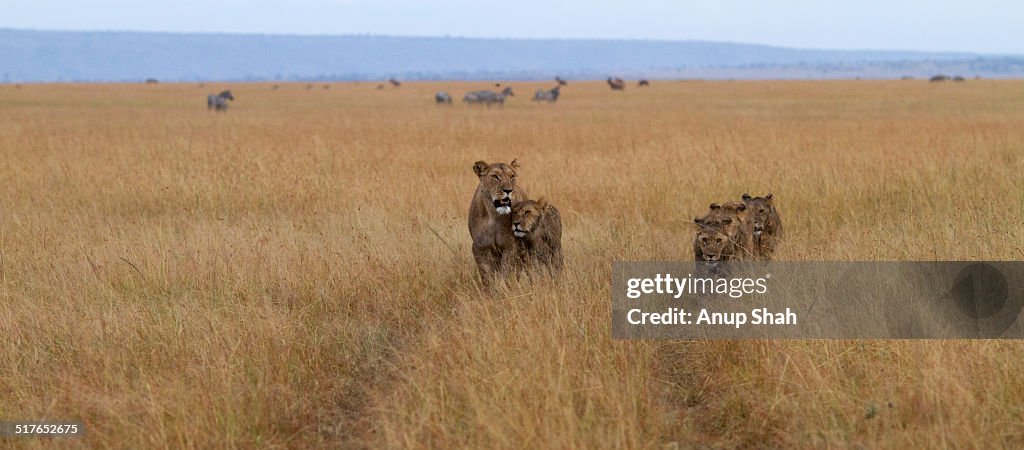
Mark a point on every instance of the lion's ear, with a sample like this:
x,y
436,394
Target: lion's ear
x,y
542,203
746,197
480,168
741,207
768,197
514,164
698,221
714,206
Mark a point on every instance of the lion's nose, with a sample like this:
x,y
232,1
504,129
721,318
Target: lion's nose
x,y
507,191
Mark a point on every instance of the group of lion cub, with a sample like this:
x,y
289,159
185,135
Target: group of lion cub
x,y
512,233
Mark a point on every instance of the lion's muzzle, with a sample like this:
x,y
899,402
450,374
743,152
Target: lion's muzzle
x,y
503,205
712,260
518,230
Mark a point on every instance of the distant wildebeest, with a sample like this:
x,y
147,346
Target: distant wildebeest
x,y
617,84
442,98
906,77
394,82
643,83
938,78
219,102
380,86
959,79
151,81
309,86
327,86
561,82
549,96
275,87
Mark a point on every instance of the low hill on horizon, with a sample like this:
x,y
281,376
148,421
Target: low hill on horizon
x,y
70,56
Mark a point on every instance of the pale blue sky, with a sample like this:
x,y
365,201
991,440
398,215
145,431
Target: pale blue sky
x,y
988,26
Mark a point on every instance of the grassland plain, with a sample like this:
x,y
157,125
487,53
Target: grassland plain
x,y
297,272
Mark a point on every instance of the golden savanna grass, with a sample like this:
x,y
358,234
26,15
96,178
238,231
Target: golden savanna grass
x,y
297,273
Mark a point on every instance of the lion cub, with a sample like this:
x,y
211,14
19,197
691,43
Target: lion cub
x,y
729,223
537,227
767,224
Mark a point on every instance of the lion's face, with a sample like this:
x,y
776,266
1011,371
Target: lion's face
x,y
498,180
714,245
526,215
759,210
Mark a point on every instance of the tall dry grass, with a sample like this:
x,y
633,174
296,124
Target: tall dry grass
x,y
296,272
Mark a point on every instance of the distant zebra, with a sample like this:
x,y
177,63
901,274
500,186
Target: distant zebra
x,y
219,102
394,82
476,96
643,83
488,97
561,82
617,84
549,96
442,98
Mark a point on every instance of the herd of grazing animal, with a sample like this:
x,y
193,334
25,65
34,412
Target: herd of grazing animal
x,y
219,102
513,234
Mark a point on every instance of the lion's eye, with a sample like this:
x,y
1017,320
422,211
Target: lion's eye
x,y
496,177
718,241
704,240
513,178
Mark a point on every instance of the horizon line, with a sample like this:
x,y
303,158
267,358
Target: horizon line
x,y
527,39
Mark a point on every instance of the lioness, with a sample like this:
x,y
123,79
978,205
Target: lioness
x,y
732,221
712,246
537,227
767,224
490,217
